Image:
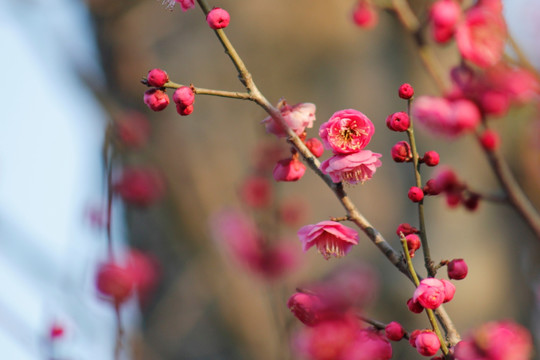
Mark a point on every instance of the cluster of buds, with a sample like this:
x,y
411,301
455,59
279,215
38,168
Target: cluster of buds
x,y
456,192
157,99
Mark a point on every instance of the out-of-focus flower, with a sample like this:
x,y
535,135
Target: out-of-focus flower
x,y
133,129
115,282
445,117
239,236
330,237
369,344
444,16
256,192
352,168
482,35
184,4
365,14
298,117
305,307
503,340
347,131
141,186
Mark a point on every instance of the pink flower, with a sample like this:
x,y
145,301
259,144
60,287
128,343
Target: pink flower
x,y
503,340
481,36
290,169
218,18
156,99
444,16
441,116
140,186
430,293
157,77
298,117
315,146
401,152
347,131
330,238
427,343
352,168
368,345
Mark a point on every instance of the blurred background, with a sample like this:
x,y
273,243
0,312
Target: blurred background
x,y
72,67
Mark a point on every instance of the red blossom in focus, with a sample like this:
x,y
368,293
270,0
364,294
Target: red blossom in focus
x,y
218,18
430,293
503,340
140,186
347,131
156,99
330,237
457,269
401,152
290,169
157,77
427,343
394,331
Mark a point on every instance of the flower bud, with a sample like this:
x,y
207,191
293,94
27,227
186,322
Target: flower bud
x,y
414,306
289,170
184,110
394,331
406,229
431,158
430,188
315,146
218,18
401,152
427,343
305,307
184,96
406,91
364,15
413,243
490,140
156,99
115,282
157,78
415,194
412,337
398,121
457,269
472,202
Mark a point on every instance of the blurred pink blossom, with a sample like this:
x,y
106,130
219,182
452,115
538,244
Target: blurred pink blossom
x,y
298,117
330,237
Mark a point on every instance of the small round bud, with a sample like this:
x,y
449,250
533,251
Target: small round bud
x,y
490,140
156,99
406,229
315,146
305,307
398,121
413,243
401,152
457,269
427,343
218,18
157,78
414,306
431,158
184,96
415,194
406,91
394,331
184,110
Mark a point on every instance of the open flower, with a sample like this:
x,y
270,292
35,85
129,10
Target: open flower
x,y
352,168
347,131
330,238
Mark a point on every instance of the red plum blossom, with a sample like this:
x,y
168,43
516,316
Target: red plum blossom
x,y
347,131
430,293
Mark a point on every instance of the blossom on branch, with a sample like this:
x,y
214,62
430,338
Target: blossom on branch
x,y
352,168
347,131
298,117
330,237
